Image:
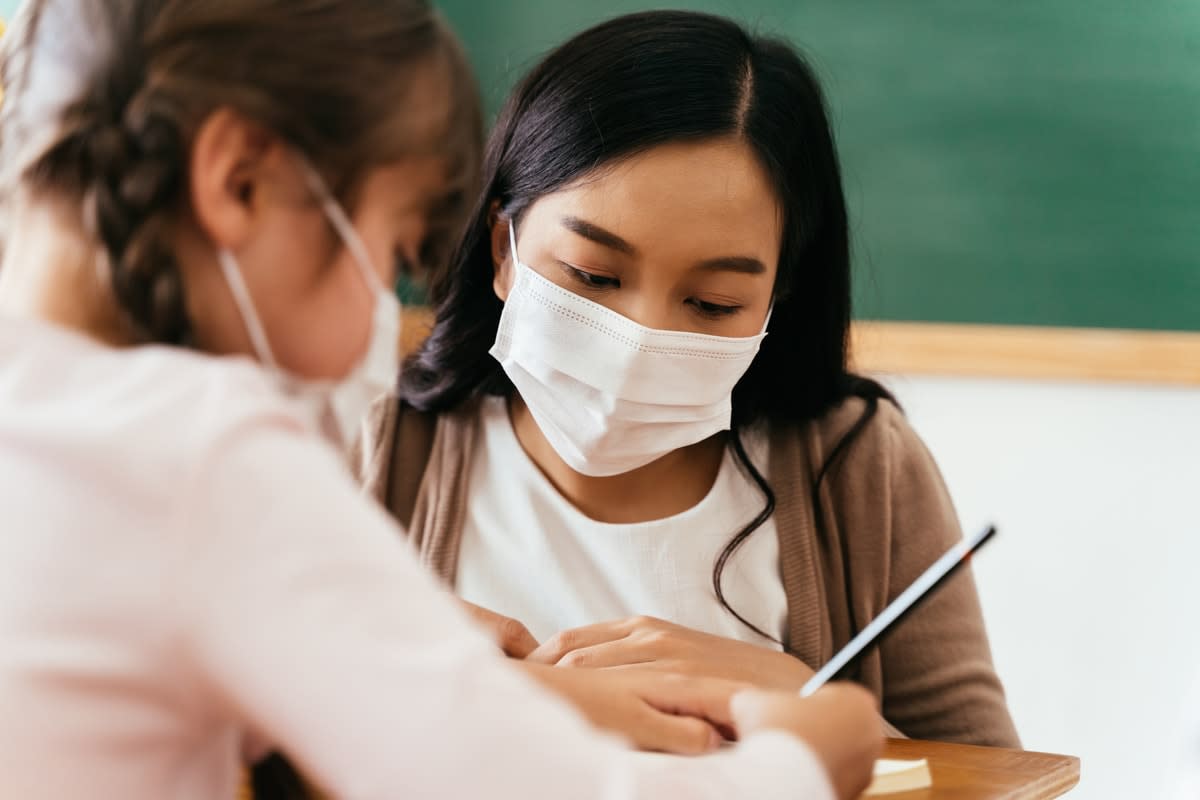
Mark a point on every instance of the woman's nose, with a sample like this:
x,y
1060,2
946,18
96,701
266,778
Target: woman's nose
x,y
651,312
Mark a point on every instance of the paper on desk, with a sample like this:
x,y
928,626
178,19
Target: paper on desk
x,y
893,775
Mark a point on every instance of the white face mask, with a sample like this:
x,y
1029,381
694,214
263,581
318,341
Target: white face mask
x,y
339,405
611,395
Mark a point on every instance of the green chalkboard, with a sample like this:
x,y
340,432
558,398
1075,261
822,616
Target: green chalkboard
x,y
1007,161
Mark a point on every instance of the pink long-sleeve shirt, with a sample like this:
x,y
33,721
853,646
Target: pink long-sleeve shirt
x,y
186,568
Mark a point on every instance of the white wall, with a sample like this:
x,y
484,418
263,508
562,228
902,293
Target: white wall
x,y
1092,588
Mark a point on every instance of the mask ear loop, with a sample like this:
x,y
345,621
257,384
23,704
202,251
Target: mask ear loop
x,y
241,298
342,224
512,243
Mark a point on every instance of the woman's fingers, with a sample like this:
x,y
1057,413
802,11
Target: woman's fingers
x,y
514,638
619,653
555,649
509,634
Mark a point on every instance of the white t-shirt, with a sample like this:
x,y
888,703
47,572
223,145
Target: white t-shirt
x,y
186,568
528,553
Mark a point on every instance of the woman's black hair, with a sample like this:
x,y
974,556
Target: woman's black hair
x,y
619,89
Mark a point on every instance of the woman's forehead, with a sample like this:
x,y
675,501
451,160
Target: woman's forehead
x,y
687,196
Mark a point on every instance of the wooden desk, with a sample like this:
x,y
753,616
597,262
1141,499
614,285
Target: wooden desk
x,y
963,772
960,772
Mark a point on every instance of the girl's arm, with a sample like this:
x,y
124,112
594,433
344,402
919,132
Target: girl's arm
x,y
309,622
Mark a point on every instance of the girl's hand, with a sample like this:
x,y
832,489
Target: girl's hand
x,y
651,643
840,723
653,710
509,634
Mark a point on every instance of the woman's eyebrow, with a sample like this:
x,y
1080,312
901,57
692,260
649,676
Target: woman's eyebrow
x,y
746,265
595,233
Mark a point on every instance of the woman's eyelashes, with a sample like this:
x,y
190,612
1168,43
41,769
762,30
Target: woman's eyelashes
x,y
596,282
591,280
713,310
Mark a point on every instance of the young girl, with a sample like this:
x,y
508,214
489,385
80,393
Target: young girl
x,y
634,419
207,199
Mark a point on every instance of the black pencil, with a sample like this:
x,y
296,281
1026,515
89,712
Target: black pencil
x,y
891,616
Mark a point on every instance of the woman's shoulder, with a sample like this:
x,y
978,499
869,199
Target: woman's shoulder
x,y
866,449
877,470
876,426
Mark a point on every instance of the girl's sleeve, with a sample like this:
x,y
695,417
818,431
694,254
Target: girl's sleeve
x,y
307,622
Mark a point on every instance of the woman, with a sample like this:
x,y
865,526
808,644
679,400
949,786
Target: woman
x,y
207,200
636,427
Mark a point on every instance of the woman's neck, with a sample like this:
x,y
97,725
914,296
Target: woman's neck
x,y
50,273
672,484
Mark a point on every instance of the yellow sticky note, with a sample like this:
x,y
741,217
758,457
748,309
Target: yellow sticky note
x,y
899,776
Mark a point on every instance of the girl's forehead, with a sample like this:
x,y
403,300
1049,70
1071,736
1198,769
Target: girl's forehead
x,y
434,117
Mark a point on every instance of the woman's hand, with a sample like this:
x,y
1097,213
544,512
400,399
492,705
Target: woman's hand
x,y
840,723
651,643
509,634
653,710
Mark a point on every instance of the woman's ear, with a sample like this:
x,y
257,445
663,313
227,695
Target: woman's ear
x,y
226,165
502,263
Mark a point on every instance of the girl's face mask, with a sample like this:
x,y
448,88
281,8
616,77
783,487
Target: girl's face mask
x,y
342,404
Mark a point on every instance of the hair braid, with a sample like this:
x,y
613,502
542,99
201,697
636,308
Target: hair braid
x,y
136,176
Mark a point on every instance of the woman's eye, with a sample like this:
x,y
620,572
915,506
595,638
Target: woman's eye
x,y
713,310
591,280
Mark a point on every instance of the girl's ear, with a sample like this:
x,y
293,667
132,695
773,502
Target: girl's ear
x,y
227,167
502,263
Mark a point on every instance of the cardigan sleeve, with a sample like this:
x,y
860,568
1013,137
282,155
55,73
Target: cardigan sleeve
x,y
937,673
372,452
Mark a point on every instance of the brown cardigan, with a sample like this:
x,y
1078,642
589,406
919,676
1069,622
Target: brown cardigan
x,y
888,517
